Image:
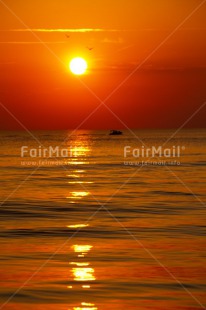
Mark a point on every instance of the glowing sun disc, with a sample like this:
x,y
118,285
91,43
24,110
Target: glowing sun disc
x,y
78,66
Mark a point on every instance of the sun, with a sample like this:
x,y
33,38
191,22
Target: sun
x,y
78,66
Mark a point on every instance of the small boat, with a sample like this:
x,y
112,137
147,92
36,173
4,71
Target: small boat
x,y
115,132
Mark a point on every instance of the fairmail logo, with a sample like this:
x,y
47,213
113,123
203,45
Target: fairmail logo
x,y
48,152
154,151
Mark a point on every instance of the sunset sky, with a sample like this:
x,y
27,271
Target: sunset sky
x,y
162,43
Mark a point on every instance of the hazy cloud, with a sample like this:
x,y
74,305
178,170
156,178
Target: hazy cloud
x,y
32,42
65,30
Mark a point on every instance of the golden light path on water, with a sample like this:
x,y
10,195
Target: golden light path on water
x,y
83,274
78,154
78,226
80,182
81,271
86,306
78,195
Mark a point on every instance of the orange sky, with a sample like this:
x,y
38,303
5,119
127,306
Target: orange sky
x,y
38,89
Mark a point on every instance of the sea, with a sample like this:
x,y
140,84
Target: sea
x,y
117,223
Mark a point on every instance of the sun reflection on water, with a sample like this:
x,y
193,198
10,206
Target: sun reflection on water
x,y
78,226
78,195
79,150
80,182
75,162
73,175
78,153
82,248
83,274
79,264
86,306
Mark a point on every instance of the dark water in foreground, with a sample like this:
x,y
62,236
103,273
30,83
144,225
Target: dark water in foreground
x,y
96,234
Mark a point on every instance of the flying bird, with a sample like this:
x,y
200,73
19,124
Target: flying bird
x,y
90,48
68,36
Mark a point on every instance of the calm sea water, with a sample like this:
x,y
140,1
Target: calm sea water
x,y
99,233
